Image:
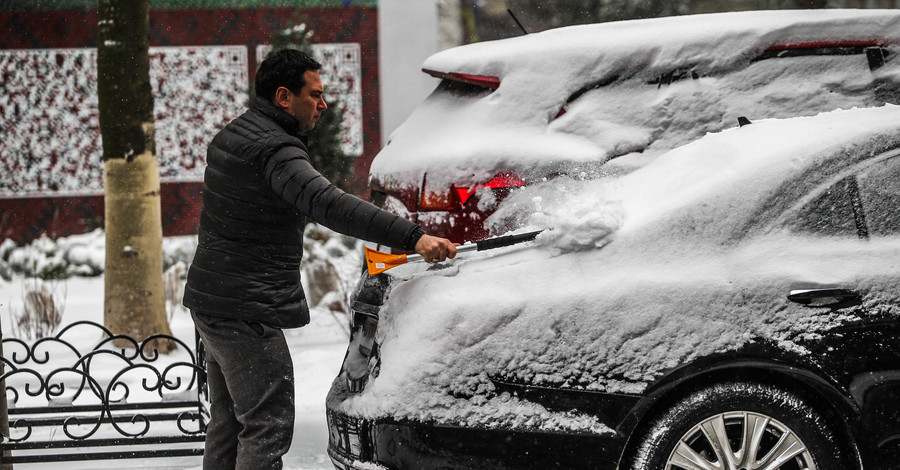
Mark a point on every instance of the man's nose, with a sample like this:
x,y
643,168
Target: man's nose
x,y
322,105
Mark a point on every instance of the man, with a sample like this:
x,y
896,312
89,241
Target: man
x,y
244,283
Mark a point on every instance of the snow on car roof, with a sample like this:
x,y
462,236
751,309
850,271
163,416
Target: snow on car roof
x,y
655,45
515,126
565,314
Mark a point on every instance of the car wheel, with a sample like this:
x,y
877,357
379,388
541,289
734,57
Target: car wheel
x,y
739,426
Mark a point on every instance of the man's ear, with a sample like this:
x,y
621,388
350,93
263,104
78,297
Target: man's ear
x,y
282,97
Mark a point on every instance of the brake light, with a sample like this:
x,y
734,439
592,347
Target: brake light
x,y
562,111
437,200
454,197
486,81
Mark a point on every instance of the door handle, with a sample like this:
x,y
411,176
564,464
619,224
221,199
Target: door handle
x,y
829,297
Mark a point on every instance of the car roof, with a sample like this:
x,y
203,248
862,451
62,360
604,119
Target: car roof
x,y
657,45
514,127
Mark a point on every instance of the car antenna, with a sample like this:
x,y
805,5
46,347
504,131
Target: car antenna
x,y
516,20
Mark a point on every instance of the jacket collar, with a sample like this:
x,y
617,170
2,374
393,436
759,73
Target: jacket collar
x,y
283,119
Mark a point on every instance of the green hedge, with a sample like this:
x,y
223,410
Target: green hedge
x,y
12,5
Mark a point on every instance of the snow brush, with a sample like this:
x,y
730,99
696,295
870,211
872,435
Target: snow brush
x,y
378,262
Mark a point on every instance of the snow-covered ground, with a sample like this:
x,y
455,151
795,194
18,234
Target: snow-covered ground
x,y
317,350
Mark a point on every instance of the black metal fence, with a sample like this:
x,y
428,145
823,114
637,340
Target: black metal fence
x,y
86,394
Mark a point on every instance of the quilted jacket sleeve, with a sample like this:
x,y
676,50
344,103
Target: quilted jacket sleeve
x,y
291,175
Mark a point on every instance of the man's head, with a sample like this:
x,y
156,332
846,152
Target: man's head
x,y
290,80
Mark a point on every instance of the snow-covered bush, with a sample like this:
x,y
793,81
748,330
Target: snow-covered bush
x,y
173,284
77,255
42,259
178,250
330,266
43,305
5,249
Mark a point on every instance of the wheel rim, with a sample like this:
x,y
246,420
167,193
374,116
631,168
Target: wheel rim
x,y
740,440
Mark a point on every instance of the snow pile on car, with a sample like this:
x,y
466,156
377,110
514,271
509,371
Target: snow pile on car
x,y
713,41
626,109
678,277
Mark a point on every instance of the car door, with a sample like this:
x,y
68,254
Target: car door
x,y
857,212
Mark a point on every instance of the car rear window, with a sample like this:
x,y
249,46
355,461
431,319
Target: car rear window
x,y
462,89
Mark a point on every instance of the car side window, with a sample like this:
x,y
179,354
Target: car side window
x,y
830,213
863,205
880,193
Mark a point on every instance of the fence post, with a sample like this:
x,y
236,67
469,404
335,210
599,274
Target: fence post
x,y
4,411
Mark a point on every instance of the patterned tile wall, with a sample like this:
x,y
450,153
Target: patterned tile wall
x,y
36,200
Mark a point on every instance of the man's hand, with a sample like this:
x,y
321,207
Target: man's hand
x,y
435,249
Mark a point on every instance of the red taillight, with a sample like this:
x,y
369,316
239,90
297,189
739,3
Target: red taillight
x,y
561,111
437,199
453,198
486,81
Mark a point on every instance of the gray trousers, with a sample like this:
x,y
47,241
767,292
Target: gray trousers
x,y
251,386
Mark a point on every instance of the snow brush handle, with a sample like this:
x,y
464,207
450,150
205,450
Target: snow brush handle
x,y
487,244
508,240
378,262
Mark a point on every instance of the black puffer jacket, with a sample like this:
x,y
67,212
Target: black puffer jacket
x,y
259,190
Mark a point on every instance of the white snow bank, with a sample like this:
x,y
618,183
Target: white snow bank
x,y
78,255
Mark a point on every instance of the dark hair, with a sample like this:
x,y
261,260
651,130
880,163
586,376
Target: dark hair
x,y
283,67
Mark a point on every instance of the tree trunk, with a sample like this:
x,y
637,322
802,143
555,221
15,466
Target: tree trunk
x,y
134,300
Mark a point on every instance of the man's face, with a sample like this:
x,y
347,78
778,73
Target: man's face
x,y
306,106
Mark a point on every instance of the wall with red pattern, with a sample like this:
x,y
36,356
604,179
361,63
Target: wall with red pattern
x,y
27,218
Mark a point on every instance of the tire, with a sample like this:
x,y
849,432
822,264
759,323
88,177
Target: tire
x,y
685,435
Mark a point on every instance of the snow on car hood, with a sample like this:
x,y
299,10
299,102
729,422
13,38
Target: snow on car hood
x,y
658,294
515,127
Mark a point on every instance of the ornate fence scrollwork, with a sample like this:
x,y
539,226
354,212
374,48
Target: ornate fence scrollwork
x,y
103,396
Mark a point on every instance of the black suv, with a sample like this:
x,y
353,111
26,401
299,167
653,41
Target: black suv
x,y
733,304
